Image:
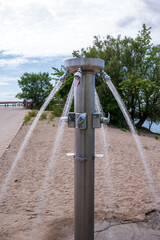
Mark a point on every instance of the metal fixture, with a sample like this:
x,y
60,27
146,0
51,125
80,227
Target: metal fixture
x,y
105,76
105,120
78,74
63,119
78,77
64,77
84,120
81,120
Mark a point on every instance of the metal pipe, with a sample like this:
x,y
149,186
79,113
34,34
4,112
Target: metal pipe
x,y
84,161
84,99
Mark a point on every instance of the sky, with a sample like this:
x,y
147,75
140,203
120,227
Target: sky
x,y
37,35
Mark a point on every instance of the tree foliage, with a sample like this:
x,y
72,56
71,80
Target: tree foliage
x,y
35,87
134,67
61,96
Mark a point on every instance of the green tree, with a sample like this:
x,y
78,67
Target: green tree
x,y
141,83
109,49
35,87
61,96
134,67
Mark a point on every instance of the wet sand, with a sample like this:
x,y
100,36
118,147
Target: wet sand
x,y
126,197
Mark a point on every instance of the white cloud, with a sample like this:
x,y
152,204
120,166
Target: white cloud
x,y
12,62
8,96
3,83
52,28
6,80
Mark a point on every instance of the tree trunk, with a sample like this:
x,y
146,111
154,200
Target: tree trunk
x,y
141,121
132,107
150,125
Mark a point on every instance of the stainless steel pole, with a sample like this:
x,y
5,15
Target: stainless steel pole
x,y
84,160
84,100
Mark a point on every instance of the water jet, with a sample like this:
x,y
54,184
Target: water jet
x,y
85,120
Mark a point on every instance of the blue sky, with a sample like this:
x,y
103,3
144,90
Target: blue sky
x,y
14,67
39,34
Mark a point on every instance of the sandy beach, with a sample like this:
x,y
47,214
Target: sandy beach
x,y
123,194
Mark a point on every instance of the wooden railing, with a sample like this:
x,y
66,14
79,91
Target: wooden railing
x,y
15,104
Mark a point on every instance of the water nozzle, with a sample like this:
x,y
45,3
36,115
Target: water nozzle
x,y
78,74
105,76
105,120
78,77
63,119
63,77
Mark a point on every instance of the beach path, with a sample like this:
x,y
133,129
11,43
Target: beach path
x,y
11,120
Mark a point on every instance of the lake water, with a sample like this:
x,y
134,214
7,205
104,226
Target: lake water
x,y
155,127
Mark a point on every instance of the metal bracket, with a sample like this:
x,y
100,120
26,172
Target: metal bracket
x,y
70,155
96,118
98,155
81,159
71,120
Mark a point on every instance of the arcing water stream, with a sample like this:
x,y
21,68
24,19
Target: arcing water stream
x,y
26,139
51,163
105,142
137,141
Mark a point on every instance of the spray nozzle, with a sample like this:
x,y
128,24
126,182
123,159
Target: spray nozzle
x,y
105,76
63,77
78,77
78,74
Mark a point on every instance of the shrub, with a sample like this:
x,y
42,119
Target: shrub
x,y
51,116
156,137
27,118
123,129
53,125
43,116
33,113
57,110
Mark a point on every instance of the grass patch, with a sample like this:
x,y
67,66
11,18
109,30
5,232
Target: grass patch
x,y
156,137
123,129
28,117
33,113
53,125
43,116
51,116
57,111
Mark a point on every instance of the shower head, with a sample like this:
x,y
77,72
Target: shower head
x,y
78,74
